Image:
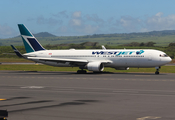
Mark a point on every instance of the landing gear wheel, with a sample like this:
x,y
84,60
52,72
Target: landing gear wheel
x,y
84,71
157,70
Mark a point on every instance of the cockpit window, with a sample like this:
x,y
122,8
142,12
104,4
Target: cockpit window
x,y
163,55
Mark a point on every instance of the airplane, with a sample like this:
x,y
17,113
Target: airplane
x,y
94,59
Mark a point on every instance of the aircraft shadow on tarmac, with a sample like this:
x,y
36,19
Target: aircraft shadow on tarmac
x,y
32,102
75,102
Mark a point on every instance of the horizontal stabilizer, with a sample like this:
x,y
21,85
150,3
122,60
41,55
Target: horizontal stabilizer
x,y
17,52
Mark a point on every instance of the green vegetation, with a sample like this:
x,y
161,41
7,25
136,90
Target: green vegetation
x,y
14,60
164,69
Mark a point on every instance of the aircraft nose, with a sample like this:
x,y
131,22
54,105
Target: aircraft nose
x,y
169,59
166,60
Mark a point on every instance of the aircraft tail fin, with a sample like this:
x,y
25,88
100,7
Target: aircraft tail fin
x,y
30,42
17,52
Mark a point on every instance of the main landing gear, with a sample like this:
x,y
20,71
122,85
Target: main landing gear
x,y
81,71
157,70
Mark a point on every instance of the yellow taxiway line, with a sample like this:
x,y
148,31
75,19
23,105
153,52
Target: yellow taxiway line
x,y
2,99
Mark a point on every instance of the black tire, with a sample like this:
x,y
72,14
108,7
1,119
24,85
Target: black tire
x,y
78,71
156,72
84,71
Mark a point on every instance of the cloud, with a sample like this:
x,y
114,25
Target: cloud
x,y
41,20
84,25
30,19
76,14
159,14
50,21
62,31
94,18
6,31
62,14
130,22
125,24
160,22
90,29
76,19
77,23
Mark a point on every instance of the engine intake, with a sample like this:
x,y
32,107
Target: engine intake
x,y
95,66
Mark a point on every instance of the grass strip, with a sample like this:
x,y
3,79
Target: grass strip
x,y
14,60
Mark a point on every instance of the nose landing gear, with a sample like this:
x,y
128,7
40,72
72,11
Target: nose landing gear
x,y
157,70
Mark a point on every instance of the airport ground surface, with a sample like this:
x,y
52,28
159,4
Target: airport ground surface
x,y
71,96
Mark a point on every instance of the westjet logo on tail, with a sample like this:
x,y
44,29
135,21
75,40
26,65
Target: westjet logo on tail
x,y
117,53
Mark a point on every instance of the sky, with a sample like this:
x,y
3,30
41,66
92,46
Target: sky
x,y
86,17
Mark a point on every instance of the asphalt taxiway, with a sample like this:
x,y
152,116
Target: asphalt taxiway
x,y
29,95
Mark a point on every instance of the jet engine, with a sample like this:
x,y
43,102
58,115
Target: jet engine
x,y
95,66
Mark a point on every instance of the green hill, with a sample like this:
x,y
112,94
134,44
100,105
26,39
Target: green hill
x,y
41,34
44,34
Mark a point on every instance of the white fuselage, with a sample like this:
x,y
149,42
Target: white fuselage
x,y
117,57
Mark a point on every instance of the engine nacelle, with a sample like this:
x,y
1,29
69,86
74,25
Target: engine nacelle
x,y
95,66
122,68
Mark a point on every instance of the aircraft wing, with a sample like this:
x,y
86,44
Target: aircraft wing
x,y
66,60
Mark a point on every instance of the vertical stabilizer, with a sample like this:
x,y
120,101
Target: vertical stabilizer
x,y
30,42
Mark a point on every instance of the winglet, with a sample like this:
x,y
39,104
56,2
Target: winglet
x,y
17,52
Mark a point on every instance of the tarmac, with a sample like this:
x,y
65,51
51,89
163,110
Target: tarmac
x,y
32,95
